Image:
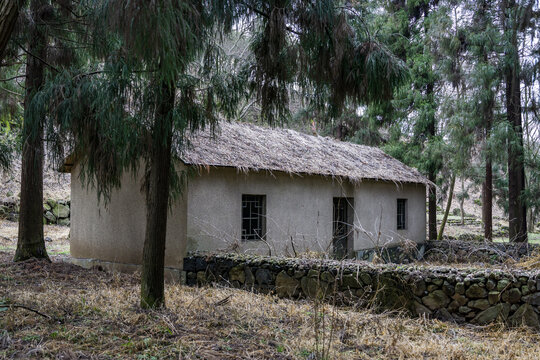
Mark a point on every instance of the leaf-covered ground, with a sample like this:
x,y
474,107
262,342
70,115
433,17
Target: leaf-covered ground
x,y
94,315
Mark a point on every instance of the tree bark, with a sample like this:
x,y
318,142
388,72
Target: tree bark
x,y
431,129
487,201
448,205
157,204
517,209
30,242
487,185
462,202
432,209
9,11
432,175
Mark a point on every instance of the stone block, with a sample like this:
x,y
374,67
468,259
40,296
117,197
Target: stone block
x,y
286,286
436,300
476,292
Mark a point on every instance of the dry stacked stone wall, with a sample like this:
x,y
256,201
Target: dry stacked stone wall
x,y
479,296
55,212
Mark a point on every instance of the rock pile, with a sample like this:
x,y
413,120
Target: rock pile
x,y
9,209
56,212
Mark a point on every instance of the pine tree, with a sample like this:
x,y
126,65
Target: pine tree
x,y
158,75
52,37
408,26
31,242
483,39
514,18
457,127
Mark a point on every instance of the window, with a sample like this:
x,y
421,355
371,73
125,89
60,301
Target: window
x,y
401,214
253,217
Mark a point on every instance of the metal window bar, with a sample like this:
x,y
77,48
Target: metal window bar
x,y
401,214
253,213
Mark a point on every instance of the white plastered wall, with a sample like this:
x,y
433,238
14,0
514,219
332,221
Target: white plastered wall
x,y
116,233
298,211
376,214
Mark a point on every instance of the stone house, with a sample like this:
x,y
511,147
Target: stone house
x,y
259,190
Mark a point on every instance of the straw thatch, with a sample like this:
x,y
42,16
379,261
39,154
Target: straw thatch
x,y
250,147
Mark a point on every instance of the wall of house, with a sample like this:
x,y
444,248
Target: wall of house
x,y
297,208
115,234
299,213
376,211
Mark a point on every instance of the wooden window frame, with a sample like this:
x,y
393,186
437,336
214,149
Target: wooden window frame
x,y
253,225
401,214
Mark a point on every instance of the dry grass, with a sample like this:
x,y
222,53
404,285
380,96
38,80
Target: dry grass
x,y
531,262
57,238
250,147
95,316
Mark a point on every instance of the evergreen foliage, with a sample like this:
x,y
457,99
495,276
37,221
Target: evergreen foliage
x,y
436,83
157,71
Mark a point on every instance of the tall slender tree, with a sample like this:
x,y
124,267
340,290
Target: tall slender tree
x,y
483,39
513,19
52,35
31,242
408,31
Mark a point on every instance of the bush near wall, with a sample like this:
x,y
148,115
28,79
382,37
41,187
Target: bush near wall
x,y
451,251
459,251
478,296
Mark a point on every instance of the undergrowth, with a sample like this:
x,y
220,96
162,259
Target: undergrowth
x,y
94,315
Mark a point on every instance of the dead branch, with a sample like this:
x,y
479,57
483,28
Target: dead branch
x,y
15,306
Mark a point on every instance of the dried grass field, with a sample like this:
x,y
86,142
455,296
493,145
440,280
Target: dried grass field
x,y
90,314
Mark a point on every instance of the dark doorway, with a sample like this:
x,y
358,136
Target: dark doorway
x,y
343,218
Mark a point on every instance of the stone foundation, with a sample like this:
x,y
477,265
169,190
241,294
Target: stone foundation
x,y
171,274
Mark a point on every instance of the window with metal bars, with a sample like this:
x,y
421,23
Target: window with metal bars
x,y
253,217
401,214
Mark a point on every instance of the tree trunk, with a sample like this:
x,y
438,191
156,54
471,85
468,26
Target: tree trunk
x,y
157,202
432,209
30,242
432,173
517,209
9,11
487,201
462,203
448,205
487,114
487,186
530,220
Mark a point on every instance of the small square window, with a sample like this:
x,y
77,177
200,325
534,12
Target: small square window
x,y
401,214
253,217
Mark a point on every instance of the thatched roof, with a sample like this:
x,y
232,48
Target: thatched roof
x,y
250,147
